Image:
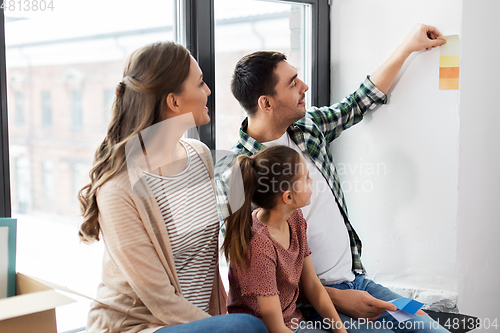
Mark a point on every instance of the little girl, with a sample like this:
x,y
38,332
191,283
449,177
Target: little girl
x,y
267,249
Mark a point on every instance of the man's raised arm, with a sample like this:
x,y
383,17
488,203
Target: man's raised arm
x,y
420,37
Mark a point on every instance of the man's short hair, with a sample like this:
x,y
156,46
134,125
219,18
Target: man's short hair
x,y
254,76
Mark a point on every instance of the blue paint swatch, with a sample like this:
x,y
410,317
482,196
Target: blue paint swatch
x,y
407,305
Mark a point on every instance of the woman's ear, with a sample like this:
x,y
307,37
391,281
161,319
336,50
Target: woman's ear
x,y
172,103
264,103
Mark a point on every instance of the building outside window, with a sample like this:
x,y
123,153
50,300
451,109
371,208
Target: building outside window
x,y
46,110
19,107
23,177
48,179
108,100
76,110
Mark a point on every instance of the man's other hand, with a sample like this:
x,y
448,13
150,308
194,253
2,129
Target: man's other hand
x,y
358,304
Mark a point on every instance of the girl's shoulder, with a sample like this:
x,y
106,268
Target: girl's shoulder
x,y
261,244
297,219
298,225
260,233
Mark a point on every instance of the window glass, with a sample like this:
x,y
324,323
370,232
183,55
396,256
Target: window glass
x,y
245,26
48,179
63,65
19,107
108,100
76,110
46,110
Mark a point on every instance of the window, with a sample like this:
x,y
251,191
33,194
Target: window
x,y
76,110
78,180
23,185
243,27
57,66
48,179
307,43
108,100
19,108
46,110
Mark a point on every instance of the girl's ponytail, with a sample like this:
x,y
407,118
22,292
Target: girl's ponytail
x,y
265,176
239,223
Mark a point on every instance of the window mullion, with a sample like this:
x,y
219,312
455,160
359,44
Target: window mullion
x,y
199,29
5,203
321,46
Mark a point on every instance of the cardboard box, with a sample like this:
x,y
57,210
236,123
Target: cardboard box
x,y
33,307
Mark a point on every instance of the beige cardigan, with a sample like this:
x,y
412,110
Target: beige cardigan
x,y
140,291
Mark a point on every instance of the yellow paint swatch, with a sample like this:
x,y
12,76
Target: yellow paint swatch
x,y
449,63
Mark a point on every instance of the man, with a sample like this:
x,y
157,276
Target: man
x,y
268,88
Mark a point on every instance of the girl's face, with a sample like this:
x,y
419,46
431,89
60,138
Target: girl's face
x,y
302,187
194,95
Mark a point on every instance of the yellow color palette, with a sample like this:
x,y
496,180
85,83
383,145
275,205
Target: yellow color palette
x,y
449,63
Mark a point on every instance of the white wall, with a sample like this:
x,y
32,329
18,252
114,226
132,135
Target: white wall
x,y
420,172
478,223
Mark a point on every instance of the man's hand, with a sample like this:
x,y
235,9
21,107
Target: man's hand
x,y
358,304
422,37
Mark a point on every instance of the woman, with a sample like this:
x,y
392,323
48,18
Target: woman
x,y
151,198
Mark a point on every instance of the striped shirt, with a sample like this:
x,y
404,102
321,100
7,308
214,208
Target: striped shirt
x,y
187,204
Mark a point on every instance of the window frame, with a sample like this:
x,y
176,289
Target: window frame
x,y
199,26
5,203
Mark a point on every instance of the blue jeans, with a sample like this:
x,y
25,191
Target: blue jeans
x,y
386,322
230,323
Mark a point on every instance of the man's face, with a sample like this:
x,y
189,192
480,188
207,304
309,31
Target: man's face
x,y
288,102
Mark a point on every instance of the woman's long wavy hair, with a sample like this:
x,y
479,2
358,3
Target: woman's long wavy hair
x,y
150,74
266,176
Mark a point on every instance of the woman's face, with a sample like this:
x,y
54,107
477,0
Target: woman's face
x,y
194,95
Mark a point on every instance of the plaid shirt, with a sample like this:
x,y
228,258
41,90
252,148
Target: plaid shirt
x,y
313,135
